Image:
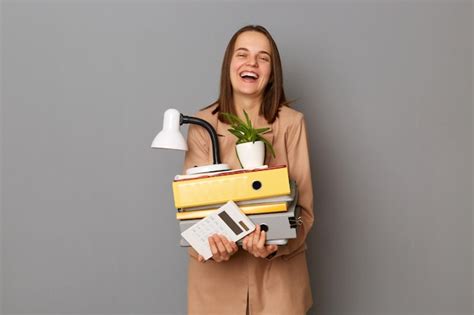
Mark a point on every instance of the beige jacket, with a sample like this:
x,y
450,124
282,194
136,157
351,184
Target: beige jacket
x,y
279,285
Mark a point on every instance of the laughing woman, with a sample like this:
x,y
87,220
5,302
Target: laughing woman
x,y
256,278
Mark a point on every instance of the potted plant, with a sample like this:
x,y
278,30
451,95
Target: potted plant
x,y
250,146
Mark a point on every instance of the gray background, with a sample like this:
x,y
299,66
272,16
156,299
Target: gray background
x,y
88,224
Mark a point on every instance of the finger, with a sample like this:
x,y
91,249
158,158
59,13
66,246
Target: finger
x,y
219,255
223,255
260,247
271,248
235,248
227,245
250,242
244,243
256,237
200,258
261,241
257,229
220,245
255,241
213,246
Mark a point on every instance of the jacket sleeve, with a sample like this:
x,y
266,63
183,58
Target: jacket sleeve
x,y
299,171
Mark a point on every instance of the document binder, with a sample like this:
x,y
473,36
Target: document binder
x,y
281,225
270,200
250,209
235,186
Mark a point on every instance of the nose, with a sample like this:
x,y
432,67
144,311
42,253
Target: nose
x,y
252,61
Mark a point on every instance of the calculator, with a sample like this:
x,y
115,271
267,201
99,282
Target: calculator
x,y
228,220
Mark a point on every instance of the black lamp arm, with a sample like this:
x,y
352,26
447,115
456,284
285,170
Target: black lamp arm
x,y
212,132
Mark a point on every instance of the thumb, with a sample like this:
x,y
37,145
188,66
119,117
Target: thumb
x,y
272,248
200,258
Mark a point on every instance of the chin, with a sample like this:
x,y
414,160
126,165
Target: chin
x,y
248,91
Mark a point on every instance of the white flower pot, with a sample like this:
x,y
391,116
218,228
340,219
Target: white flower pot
x,y
251,154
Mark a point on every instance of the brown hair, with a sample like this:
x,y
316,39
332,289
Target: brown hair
x,y
273,96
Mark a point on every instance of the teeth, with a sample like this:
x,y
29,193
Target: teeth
x,y
248,73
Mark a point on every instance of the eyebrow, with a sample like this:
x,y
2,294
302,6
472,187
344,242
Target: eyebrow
x,y
260,52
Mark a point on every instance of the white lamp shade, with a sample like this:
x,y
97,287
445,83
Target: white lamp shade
x,y
170,137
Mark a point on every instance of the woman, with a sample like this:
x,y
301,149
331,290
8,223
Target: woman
x,y
256,278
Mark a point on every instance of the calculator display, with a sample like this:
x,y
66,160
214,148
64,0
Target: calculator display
x,y
230,223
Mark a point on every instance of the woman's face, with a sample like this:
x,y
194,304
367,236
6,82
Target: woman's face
x,y
250,66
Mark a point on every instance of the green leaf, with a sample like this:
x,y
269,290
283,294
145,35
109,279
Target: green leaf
x,y
243,129
238,157
242,141
245,132
253,135
249,123
236,119
262,130
232,119
269,145
237,133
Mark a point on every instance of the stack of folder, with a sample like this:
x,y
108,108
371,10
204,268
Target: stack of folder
x,y
265,195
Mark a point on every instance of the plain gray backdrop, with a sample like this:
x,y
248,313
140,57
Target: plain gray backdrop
x,y
88,224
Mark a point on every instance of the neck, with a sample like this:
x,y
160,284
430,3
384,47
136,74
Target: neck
x,y
250,104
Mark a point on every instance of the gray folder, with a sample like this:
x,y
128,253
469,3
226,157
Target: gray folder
x,y
281,225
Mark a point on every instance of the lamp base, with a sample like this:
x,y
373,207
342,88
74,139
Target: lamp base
x,y
207,169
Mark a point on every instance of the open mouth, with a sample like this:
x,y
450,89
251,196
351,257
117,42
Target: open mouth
x,y
249,76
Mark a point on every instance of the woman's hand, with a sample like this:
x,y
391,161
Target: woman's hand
x,y
221,248
254,243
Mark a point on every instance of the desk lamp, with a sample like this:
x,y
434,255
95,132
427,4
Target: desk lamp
x,y
171,138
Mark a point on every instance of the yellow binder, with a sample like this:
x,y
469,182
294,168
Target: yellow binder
x,y
236,186
251,209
